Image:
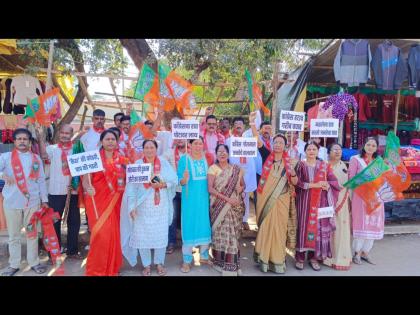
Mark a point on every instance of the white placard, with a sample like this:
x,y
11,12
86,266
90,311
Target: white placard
x,y
185,129
327,212
324,128
292,121
243,147
85,163
139,173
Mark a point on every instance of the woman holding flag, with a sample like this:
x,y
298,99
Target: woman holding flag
x,y
317,187
103,195
366,227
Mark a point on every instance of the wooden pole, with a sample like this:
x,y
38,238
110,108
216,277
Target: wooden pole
x,y
93,198
396,111
50,63
274,104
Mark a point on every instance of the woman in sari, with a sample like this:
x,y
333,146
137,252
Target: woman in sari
x,y
317,187
366,227
149,212
276,213
195,218
341,247
225,185
103,195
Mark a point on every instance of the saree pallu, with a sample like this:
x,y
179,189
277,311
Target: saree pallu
x,y
276,218
105,255
226,222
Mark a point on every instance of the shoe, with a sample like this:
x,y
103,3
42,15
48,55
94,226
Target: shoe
x,y
315,265
39,269
9,272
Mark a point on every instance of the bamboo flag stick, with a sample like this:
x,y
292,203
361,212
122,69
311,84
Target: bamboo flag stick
x,y
93,199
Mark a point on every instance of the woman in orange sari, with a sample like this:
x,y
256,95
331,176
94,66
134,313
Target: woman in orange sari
x,y
103,196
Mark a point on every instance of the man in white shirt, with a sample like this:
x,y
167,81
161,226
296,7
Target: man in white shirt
x,y
59,185
172,156
25,190
247,164
90,139
125,130
296,150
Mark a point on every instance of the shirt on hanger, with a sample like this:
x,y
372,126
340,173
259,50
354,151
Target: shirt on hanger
x,y
25,87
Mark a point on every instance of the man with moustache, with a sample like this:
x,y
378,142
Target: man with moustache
x,y
224,126
172,156
59,185
247,164
24,192
211,137
90,139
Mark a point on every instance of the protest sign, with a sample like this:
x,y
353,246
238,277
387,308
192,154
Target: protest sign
x,y
185,129
85,163
243,147
327,212
292,121
139,173
324,128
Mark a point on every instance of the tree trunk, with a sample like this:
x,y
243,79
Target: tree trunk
x,y
72,48
140,52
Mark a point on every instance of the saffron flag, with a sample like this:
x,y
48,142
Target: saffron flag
x,y
255,94
138,133
147,87
383,180
399,177
44,109
371,186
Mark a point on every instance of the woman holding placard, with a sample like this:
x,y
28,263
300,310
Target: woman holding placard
x,y
341,248
195,218
275,211
226,185
145,221
316,194
103,195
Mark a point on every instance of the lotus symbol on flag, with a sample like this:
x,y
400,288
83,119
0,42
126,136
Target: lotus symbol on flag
x,y
385,193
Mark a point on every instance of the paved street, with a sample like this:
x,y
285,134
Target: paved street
x,y
395,255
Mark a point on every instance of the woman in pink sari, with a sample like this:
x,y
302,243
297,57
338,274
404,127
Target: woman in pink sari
x,y
366,228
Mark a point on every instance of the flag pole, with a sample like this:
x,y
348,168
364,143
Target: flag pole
x,y
93,199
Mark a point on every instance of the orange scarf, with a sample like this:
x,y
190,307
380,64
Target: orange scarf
x,y
19,175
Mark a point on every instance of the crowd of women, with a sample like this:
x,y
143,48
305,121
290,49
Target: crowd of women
x,y
128,220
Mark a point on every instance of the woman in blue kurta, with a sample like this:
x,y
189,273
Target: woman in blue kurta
x,y
195,217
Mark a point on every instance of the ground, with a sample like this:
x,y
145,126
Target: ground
x,y
395,255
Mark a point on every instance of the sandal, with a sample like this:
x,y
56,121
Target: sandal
x,y
299,265
170,249
39,269
161,271
315,265
357,260
147,271
9,272
185,268
205,262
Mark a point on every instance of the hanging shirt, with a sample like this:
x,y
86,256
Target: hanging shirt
x,y
13,197
91,140
388,108
25,87
364,109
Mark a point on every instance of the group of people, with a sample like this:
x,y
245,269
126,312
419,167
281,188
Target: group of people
x,y
197,183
